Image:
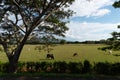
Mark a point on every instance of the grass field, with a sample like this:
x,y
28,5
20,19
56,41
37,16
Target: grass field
x,y
65,53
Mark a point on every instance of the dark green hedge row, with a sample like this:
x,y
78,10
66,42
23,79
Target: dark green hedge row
x,y
64,67
107,68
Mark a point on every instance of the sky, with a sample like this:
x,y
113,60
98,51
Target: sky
x,y
93,20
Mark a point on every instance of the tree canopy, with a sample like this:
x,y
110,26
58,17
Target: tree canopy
x,y
24,19
114,42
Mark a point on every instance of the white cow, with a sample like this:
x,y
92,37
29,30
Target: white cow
x,y
110,52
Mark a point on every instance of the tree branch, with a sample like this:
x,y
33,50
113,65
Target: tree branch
x,y
20,10
54,10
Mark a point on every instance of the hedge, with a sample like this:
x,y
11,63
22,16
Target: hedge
x,y
65,67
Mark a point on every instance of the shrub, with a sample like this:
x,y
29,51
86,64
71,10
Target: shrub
x,y
30,66
4,67
20,67
103,68
42,65
59,67
115,69
38,67
75,67
86,67
48,67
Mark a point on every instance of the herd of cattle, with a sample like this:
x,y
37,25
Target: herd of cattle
x,y
51,56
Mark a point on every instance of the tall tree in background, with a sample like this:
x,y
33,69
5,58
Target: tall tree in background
x,y
114,41
23,19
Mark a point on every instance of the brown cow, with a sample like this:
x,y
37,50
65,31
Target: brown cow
x,y
51,56
75,54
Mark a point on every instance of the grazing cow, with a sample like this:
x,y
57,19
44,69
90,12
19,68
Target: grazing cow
x,y
75,54
51,56
110,51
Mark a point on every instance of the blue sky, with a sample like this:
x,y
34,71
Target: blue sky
x,y
92,22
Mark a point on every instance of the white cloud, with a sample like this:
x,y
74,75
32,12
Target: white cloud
x,y
101,12
91,7
89,31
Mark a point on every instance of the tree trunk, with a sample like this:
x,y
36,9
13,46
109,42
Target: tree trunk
x,y
13,59
12,66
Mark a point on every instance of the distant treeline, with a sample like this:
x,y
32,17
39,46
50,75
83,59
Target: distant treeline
x,y
69,42
87,42
62,41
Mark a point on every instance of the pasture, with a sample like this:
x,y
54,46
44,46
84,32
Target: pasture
x,y
65,53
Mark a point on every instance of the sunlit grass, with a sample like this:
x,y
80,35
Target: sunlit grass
x,y
65,53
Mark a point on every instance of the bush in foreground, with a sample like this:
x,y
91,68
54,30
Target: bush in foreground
x,y
104,68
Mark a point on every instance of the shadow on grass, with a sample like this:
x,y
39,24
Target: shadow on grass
x,y
117,55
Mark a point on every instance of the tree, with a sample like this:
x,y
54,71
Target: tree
x,y
20,20
113,42
63,41
116,4
48,42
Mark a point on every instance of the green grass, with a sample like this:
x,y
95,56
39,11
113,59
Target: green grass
x,y
65,53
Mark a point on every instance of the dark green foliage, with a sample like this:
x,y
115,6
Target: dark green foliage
x,y
115,69
32,18
75,67
102,68
4,67
117,4
63,41
42,65
107,68
86,67
113,43
59,67
105,48
30,66
20,66
37,66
